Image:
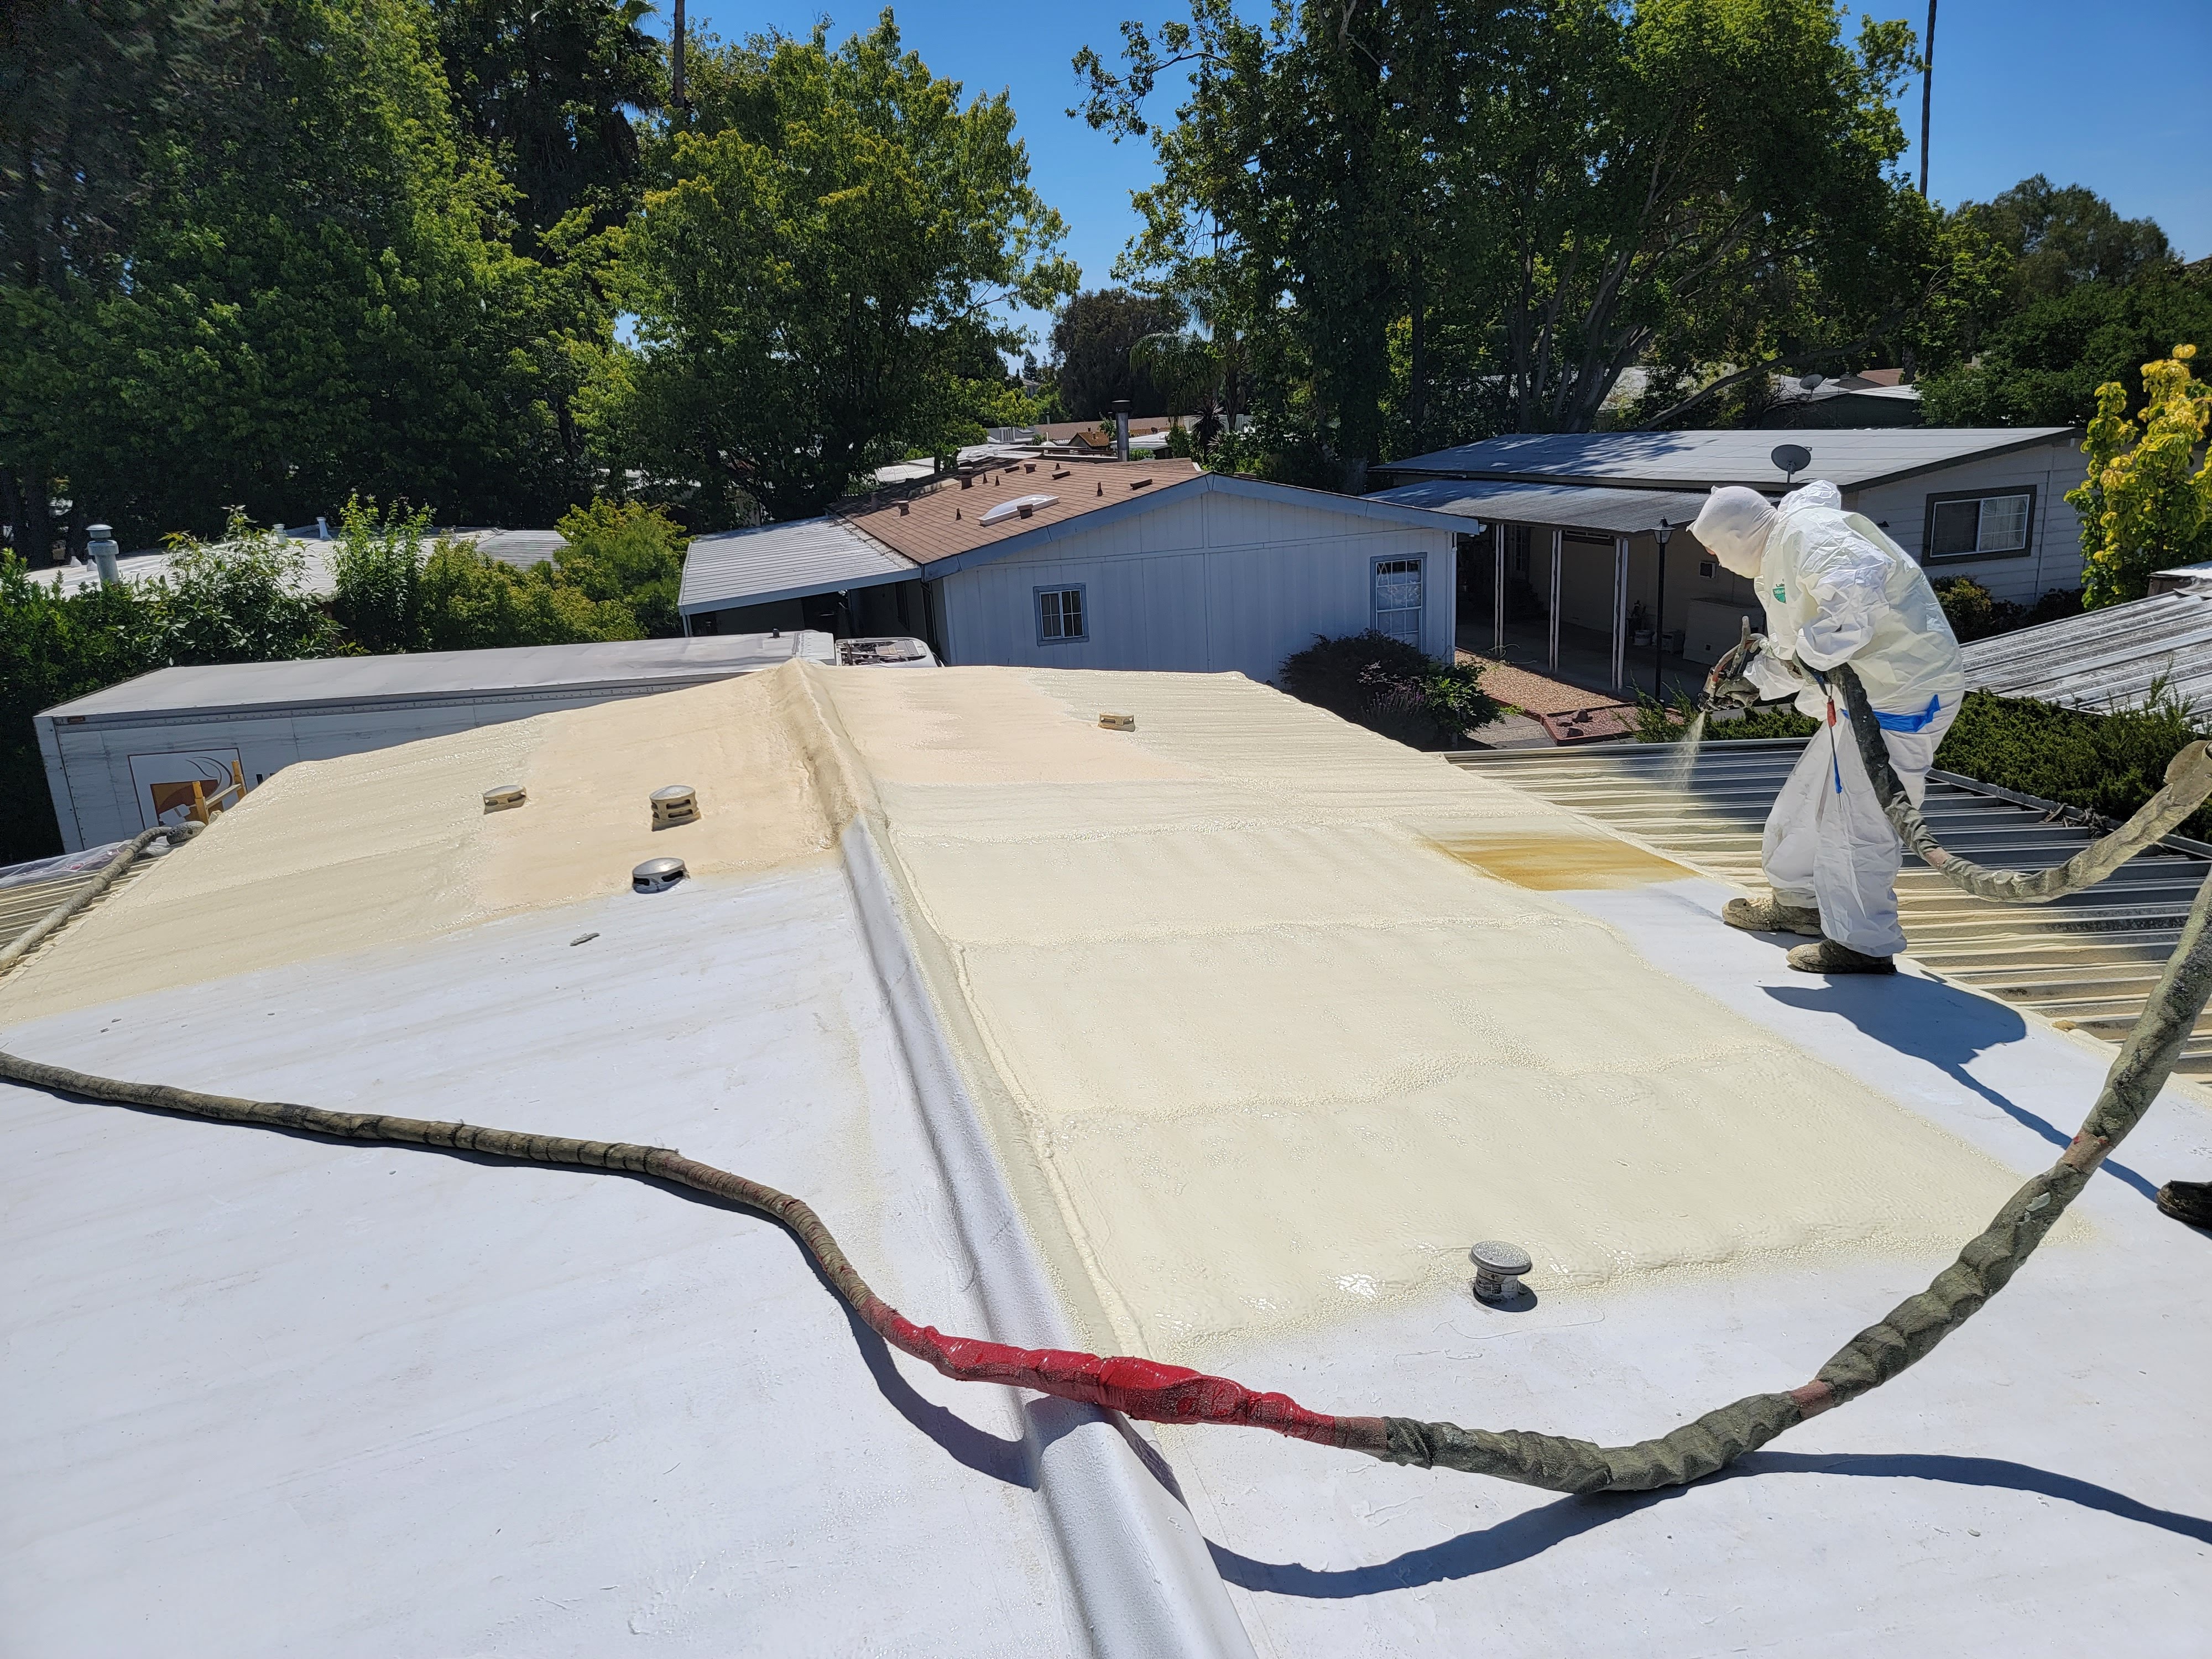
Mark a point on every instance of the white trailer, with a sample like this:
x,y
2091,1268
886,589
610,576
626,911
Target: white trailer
x,y
125,759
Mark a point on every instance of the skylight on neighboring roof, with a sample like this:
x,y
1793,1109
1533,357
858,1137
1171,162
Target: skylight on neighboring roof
x,y
1021,507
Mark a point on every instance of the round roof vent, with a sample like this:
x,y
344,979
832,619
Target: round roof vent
x,y
507,795
1497,1269
656,875
674,804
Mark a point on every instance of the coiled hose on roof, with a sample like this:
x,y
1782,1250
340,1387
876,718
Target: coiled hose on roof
x,y
1151,1392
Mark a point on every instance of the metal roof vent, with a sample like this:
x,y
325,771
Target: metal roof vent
x,y
675,804
1118,722
656,875
1497,1269
505,796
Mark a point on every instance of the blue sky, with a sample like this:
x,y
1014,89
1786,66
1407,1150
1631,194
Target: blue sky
x,y
2106,95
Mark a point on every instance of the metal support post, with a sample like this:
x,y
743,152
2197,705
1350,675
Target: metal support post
x,y
1620,609
1559,544
1498,532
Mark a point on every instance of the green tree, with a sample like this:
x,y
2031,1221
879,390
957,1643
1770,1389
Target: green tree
x,y
242,599
2146,503
1527,199
2043,366
1094,341
2061,238
53,649
310,290
377,567
625,552
550,89
824,235
470,601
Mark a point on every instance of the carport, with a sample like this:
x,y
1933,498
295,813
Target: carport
x,y
1593,521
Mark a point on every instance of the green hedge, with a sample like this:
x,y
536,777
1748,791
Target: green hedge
x,y
2108,763
1391,687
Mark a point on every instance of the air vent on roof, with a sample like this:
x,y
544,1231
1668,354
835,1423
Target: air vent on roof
x,y
1021,505
1139,483
1118,722
505,796
902,509
676,803
1497,1269
656,875
967,481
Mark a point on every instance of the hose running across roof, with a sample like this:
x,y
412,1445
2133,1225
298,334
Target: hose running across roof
x,y
1152,1392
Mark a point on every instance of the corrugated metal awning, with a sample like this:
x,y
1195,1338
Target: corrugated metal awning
x,y
784,562
2104,658
2090,959
1569,506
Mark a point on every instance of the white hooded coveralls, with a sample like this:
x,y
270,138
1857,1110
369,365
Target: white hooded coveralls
x,y
1835,589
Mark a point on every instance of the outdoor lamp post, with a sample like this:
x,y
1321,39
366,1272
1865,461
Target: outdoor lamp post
x,y
1659,619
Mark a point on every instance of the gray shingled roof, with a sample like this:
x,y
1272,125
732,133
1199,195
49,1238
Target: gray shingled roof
x,y
1700,460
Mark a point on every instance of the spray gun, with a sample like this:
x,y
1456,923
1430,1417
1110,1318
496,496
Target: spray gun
x,y
1730,693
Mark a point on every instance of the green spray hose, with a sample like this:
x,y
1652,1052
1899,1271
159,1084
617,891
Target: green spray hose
x,y
1159,1393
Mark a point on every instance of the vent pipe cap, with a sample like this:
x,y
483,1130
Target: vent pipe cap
x,y
656,875
674,804
1497,1269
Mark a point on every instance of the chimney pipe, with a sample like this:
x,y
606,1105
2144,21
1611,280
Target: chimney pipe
x,y
101,543
1121,429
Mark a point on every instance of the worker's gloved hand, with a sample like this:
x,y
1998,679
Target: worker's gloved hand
x,y
1733,695
1733,686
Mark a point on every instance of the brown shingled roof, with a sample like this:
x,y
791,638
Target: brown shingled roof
x,y
946,519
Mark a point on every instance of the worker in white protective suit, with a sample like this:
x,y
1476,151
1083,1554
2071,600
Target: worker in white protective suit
x,y
1836,590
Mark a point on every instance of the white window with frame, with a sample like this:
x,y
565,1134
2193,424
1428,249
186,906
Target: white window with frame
x,y
1399,598
1978,525
1062,616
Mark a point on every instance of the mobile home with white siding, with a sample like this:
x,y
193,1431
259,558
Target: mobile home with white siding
x,y
1116,565
1984,502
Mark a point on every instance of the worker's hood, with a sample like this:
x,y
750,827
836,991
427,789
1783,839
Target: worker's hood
x,y
1733,526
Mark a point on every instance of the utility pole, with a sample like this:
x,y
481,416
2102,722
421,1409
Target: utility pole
x,y
676,81
1927,81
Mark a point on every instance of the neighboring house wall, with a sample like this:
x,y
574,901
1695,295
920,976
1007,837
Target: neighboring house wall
x,y
2053,557
100,769
1215,583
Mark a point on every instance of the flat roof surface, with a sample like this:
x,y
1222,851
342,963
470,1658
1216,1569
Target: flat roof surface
x,y
1850,459
782,561
2112,658
1251,1022
442,673
1577,506
317,573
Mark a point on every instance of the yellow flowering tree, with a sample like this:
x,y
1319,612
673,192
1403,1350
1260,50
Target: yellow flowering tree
x,y
2146,503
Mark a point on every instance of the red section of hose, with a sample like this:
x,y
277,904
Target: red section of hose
x,y
1136,1387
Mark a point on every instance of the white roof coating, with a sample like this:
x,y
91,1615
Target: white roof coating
x,y
1850,459
781,562
317,574
1220,1040
437,674
2114,658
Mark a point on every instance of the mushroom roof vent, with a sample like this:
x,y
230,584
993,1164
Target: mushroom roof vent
x,y
656,875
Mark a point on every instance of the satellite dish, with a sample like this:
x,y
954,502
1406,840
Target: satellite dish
x,y
1812,382
1791,459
